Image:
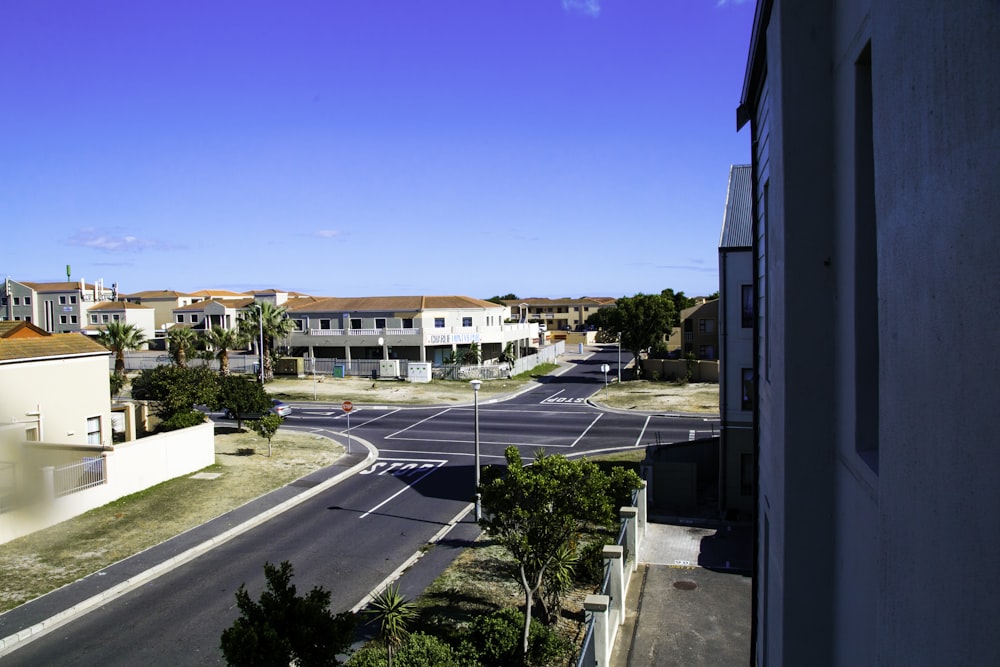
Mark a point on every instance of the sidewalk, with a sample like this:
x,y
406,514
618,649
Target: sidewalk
x,y
689,601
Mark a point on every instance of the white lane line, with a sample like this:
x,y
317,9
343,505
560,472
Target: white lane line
x,y
401,491
691,434
638,441
415,424
587,429
549,398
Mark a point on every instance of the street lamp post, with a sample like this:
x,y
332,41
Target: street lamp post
x,y
619,357
605,368
475,392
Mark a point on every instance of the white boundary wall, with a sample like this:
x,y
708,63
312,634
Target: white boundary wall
x,y
131,467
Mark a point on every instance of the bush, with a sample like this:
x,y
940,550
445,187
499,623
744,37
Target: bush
x,y
590,568
182,420
417,650
496,640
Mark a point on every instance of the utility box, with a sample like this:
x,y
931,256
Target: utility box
x,y
290,366
388,368
418,371
338,371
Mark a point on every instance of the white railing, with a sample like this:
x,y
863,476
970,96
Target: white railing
x,y
325,332
364,332
606,610
79,476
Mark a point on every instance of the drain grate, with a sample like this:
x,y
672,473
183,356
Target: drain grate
x,y
685,585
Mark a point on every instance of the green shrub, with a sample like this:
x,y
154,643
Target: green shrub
x,y
496,640
182,420
417,650
590,568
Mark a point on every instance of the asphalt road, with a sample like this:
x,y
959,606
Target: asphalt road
x,y
351,537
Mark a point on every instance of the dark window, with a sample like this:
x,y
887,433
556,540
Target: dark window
x,y
380,323
439,323
324,324
746,389
62,300
355,323
706,326
407,322
746,306
466,321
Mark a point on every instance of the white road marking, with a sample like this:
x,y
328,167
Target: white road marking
x,y
587,429
397,463
645,424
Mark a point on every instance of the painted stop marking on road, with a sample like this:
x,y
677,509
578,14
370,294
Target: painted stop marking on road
x,y
348,406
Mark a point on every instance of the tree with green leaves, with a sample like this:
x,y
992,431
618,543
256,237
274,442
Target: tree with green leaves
x,y
500,299
680,303
266,427
173,391
473,355
535,511
393,613
120,337
274,322
285,628
181,342
643,321
222,340
240,395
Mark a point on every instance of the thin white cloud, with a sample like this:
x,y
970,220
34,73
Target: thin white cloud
x,y
326,233
115,241
588,7
723,3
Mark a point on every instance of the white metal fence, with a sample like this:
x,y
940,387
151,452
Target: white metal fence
x,y
75,477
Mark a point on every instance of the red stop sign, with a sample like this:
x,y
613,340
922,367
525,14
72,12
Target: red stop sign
x,y
348,406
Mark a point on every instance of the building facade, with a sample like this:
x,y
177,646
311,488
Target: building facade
x,y
55,307
874,133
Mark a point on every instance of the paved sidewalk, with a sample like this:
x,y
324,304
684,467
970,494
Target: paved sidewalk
x,y
689,601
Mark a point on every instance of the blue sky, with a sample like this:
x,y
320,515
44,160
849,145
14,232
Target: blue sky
x,y
477,147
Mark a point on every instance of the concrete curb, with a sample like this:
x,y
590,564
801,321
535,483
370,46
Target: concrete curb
x,y
13,642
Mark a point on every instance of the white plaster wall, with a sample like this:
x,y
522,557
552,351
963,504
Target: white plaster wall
x,y
736,344
67,391
937,141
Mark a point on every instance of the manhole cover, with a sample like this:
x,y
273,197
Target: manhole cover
x,y
685,585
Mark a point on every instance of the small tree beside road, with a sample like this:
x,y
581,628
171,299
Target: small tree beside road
x,y
285,628
536,511
266,427
241,396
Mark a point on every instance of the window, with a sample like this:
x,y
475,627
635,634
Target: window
x,y
62,319
27,300
746,390
706,326
116,317
439,323
466,321
355,323
297,325
93,430
72,319
3,301
72,299
62,300
706,351
104,318
17,301
380,323
324,324
866,325
180,319
93,319
194,317
407,322
746,306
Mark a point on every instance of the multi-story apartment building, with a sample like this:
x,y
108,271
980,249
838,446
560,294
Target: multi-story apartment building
x,y
163,303
55,307
557,314
735,337
415,328
875,139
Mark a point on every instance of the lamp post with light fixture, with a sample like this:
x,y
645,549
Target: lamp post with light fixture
x,y
476,384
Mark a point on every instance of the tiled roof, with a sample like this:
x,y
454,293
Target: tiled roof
x,y
118,305
568,301
71,286
390,303
47,345
217,293
157,294
737,221
20,329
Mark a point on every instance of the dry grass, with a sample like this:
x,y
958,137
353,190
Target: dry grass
x,y
646,396
43,561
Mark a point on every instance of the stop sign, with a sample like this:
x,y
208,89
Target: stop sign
x,y
348,406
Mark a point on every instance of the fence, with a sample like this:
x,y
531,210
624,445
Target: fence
x,y
606,609
89,472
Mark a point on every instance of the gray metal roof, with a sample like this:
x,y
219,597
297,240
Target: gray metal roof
x,y
737,221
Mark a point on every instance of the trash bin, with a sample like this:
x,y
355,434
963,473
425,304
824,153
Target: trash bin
x,y
374,373
338,371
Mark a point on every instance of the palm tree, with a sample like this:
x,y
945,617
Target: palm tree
x,y
393,612
222,340
274,322
120,337
181,341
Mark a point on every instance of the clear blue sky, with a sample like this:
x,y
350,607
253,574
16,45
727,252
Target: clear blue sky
x,y
370,147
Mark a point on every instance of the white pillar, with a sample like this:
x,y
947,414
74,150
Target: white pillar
x,y
613,555
629,514
597,605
